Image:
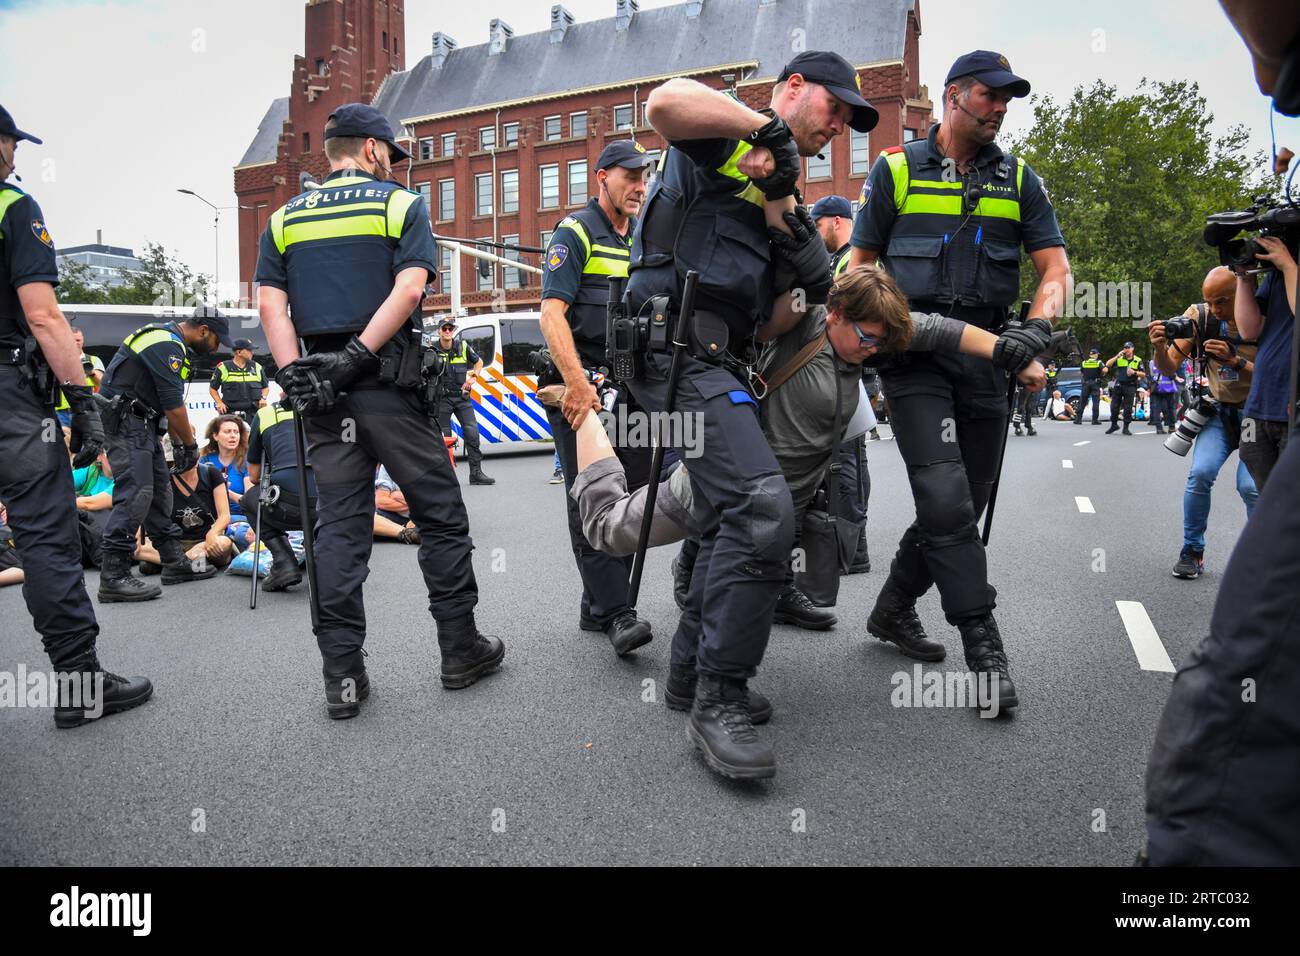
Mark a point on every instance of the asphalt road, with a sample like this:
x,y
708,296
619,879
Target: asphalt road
x,y
559,758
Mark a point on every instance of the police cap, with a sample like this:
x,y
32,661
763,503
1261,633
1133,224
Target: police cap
x,y
836,74
8,128
365,122
625,153
242,344
215,321
832,206
991,69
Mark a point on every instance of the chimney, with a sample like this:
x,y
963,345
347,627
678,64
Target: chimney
x,y
499,34
693,9
561,20
624,13
99,237
442,47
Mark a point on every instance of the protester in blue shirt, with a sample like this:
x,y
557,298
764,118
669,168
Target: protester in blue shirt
x,y
227,451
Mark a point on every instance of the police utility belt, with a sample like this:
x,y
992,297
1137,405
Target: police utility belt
x,y
33,370
405,363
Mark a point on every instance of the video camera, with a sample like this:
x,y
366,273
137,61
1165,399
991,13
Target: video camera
x,y
1266,216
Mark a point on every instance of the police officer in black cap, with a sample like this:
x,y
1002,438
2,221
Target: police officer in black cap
x,y
725,207
947,216
462,366
239,384
352,259
1091,371
38,356
145,388
1129,372
587,249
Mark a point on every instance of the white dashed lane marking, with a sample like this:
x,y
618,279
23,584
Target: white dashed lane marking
x,y
1151,653
1085,506
1066,463
1080,444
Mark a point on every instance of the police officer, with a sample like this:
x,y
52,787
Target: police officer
x,y
947,216
272,445
724,206
38,354
94,370
834,218
586,250
463,366
145,386
1129,371
1090,371
352,259
239,385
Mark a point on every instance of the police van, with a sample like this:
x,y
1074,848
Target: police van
x,y
505,398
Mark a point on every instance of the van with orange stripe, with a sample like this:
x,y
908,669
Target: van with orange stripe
x,y
505,396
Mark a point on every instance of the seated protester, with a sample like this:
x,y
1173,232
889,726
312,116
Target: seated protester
x,y
392,513
1058,409
11,565
611,517
274,443
201,510
227,450
94,486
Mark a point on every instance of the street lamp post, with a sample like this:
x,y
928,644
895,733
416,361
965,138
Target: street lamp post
x,y
216,242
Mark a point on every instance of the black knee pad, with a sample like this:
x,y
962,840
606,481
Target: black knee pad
x,y
943,500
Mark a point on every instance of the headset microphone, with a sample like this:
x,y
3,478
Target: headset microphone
x,y
979,119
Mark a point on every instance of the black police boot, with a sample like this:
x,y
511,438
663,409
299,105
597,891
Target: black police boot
x,y
285,572
467,655
346,684
894,619
94,701
177,568
861,559
1126,431
984,655
476,476
679,694
1159,430
721,727
1114,427
682,571
1018,431
1029,429
794,607
627,632
118,584
1078,421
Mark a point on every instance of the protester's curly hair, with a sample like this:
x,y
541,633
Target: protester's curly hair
x,y
868,293
212,448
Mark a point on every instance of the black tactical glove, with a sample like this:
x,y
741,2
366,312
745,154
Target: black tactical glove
x,y
314,384
87,429
1021,344
801,259
776,137
184,457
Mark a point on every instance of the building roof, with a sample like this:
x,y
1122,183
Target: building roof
x,y
264,145
658,42
100,249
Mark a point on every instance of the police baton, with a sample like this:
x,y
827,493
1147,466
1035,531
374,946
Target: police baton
x,y
263,484
681,336
1002,451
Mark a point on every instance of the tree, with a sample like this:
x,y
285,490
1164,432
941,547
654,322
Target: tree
x,y
161,280
75,285
1132,179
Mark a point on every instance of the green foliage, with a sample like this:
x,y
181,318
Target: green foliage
x,y
162,280
1132,179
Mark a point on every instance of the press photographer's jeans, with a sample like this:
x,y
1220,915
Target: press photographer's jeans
x,y
1209,452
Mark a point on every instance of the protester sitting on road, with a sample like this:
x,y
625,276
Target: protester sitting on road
x,y
11,565
94,485
201,509
392,513
1058,409
227,450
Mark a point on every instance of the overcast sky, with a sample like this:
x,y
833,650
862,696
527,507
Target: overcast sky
x,y
137,98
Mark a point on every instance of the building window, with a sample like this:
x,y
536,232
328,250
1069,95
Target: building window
x,y
483,194
909,135
485,283
855,206
623,117
385,39
860,153
426,148
306,142
645,115
820,168
577,182
550,176
551,128
449,144
510,134
426,193
509,190
512,278
578,124
320,67
487,138
546,238
394,46
444,269
446,199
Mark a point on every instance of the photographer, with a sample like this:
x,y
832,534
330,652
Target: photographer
x,y
1228,366
1268,316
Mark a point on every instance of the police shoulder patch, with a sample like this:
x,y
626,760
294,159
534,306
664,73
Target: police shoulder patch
x,y
41,233
866,191
175,362
556,256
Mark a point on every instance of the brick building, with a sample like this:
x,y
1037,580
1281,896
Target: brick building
x,y
504,135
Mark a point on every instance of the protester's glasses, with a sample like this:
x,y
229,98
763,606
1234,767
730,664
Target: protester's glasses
x,y
866,341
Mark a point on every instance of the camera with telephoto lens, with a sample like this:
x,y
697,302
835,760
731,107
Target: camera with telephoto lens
x,y
1266,217
1181,438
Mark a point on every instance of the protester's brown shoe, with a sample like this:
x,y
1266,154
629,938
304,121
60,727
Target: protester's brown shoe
x,y
552,396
